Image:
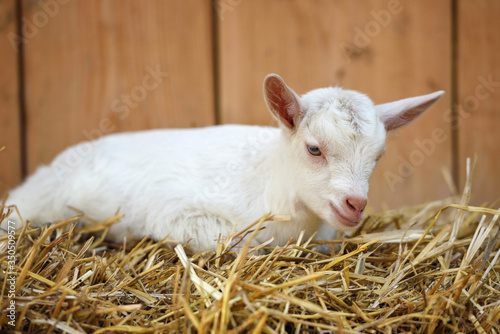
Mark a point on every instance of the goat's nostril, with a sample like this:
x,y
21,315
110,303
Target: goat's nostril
x,y
356,204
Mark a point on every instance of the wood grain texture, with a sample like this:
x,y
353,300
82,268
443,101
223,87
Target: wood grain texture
x,y
479,95
10,159
89,70
388,52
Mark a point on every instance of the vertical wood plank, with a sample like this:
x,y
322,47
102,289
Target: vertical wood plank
x,y
479,95
96,67
384,50
10,159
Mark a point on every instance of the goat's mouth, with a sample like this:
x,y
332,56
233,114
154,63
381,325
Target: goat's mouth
x,y
344,219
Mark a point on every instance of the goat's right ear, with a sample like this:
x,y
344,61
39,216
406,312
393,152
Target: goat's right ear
x,y
281,100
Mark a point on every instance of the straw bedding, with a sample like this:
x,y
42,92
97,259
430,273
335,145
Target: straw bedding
x,y
433,268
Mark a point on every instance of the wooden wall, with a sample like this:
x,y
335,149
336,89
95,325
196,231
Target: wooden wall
x,y
10,120
478,121
92,67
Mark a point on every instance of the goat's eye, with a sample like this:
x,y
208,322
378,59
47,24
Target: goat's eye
x,y
314,150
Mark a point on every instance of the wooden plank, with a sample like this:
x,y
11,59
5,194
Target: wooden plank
x,y
479,95
97,67
10,159
386,51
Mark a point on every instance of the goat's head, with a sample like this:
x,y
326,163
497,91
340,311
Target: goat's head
x,y
335,138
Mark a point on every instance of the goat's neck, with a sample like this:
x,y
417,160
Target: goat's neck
x,y
280,191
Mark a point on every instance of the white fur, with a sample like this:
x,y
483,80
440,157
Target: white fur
x,y
198,183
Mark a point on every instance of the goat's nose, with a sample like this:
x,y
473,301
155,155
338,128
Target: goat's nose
x,y
356,204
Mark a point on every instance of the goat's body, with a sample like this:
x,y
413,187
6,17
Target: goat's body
x,y
185,184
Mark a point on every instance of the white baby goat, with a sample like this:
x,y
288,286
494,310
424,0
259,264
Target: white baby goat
x,y
198,183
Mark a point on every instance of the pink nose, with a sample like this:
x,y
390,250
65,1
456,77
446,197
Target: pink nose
x,y
355,204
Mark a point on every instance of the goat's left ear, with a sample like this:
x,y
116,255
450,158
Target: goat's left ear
x,y
402,112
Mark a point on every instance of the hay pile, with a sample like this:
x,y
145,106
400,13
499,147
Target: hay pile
x,y
432,268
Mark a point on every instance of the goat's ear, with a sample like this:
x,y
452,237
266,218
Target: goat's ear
x,y
399,113
281,100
